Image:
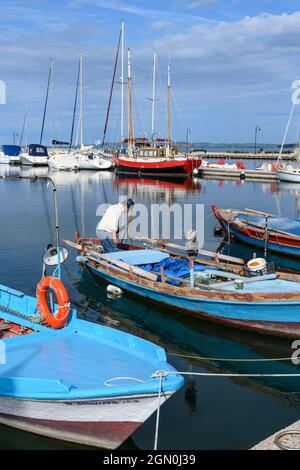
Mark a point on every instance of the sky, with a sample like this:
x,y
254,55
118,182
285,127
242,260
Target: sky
x,y
232,66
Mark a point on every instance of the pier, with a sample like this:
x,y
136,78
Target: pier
x,y
242,174
248,155
287,438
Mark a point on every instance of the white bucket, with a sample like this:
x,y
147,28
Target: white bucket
x,y
256,264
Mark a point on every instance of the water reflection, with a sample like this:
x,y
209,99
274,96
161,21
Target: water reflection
x,y
190,419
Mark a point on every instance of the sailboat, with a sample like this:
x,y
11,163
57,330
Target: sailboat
x,y
85,158
159,157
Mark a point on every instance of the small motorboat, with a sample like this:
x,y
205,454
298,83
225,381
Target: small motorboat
x,y
278,234
225,290
37,155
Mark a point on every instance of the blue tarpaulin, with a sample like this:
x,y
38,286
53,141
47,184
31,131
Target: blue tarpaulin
x,y
174,267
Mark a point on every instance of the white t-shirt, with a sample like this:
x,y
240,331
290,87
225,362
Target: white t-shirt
x,y
111,218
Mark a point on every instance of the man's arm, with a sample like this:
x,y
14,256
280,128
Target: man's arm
x,y
115,238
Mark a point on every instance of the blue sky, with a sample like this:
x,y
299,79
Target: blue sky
x,y
233,62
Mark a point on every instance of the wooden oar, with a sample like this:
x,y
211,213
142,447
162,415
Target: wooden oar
x,y
234,269
209,254
121,264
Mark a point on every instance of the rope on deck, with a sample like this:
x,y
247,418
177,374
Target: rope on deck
x,y
37,318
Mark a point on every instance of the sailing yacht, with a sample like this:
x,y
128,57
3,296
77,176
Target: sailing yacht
x,y
154,158
85,158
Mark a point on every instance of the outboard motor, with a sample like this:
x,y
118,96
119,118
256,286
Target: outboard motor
x,y
192,251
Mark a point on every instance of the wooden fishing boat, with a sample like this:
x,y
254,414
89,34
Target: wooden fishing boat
x,y
70,379
84,383
278,234
216,290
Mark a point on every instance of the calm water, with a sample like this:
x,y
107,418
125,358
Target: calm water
x,y
208,413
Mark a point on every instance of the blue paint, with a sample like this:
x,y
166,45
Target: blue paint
x,y
255,311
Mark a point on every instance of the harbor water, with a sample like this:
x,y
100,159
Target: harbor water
x,y
209,412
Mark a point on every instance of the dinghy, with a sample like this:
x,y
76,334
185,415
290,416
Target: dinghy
x,y
225,290
278,234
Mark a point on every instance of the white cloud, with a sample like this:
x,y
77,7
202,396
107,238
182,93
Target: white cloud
x,y
160,25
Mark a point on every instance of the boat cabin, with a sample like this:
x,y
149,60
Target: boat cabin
x,y
11,150
37,150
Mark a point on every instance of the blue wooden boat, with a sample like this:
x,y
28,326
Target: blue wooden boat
x,y
277,234
219,292
84,383
70,379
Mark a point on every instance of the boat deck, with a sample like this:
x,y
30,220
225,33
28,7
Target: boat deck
x,y
268,286
77,365
75,361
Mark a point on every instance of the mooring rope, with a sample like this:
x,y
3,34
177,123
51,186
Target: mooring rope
x,y
203,358
37,318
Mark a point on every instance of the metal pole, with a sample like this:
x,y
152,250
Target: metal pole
x,y
153,95
122,81
266,237
45,107
81,101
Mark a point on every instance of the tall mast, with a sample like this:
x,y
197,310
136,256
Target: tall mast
x,y
53,103
122,81
24,128
153,95
81,101
26,124
75,106
130,101
169,105
111,89
46,103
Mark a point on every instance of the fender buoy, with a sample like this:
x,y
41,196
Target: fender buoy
x,y
60,317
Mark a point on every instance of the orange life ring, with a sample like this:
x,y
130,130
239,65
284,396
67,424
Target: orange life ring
x,y
60,317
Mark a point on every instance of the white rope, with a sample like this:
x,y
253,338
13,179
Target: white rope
x,y
211,374
108,384
160,375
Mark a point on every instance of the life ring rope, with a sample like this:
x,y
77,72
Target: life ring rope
x,y
59,318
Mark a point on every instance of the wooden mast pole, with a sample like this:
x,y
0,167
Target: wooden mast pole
x,y
130,102
169,107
